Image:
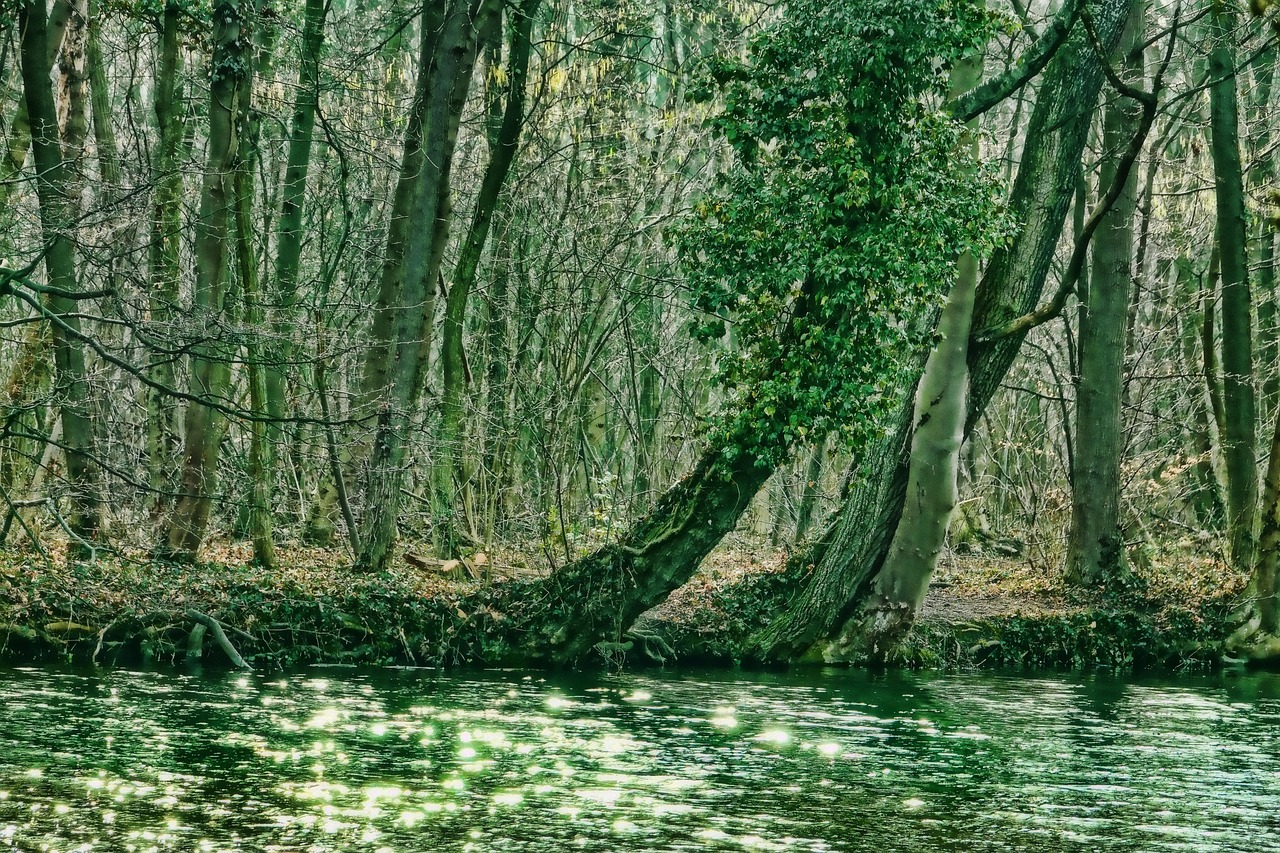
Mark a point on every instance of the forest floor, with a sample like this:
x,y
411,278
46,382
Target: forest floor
x,y
992,609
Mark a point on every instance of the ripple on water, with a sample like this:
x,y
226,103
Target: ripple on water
x,y
411,760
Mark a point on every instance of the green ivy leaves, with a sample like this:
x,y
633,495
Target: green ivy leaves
x,y
818,257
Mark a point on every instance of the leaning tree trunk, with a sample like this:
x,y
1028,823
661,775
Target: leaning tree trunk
x,y
932,476
54,181
848,556
205,421
900,585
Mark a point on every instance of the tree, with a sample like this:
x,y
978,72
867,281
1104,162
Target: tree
x,y
504,126
1096,546
204,423
405,314
54,182
848,556
1239,438
801,250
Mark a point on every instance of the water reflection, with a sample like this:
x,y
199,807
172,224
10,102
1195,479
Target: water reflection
x,y
401,760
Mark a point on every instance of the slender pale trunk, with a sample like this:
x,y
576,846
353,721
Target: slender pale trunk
x,y
1096,546
1239,438
933,472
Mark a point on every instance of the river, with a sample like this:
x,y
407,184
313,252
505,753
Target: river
x,y
380,760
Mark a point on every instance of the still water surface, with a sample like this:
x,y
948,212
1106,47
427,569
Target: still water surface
x,y
409,760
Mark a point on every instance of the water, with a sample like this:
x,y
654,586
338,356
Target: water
x,y
403,760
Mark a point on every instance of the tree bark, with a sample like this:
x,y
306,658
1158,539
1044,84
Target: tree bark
x,y
448,59
211,358
933,471
165,254
504,142
289,236
19,143
1239,439
57,212
848,556
1096,546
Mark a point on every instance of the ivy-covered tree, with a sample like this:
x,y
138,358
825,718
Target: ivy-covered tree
x,y
817,261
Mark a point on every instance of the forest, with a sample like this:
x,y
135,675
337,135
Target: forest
x,y
583,331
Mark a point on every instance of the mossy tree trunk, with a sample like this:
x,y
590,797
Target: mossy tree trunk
x,y
165,257
1096,545
19,124
597,598
403,325
848,556
504,141
1239,439
289,235
205,424
54,183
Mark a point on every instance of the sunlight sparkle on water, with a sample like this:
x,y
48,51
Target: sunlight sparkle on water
x,y
777,736
725,718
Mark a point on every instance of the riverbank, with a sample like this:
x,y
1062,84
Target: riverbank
x,y
984,610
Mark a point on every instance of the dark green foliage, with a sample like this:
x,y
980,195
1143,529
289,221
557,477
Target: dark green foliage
x,y
840,221
1106,637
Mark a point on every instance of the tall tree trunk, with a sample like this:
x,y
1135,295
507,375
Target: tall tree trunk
x,y
1239,439
54,179
1262,586
261,448
19,143
376,366
1096,548
211,356
1204,494
104,133
448,58
847,557
1264,237
165,257
504,141
289,236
